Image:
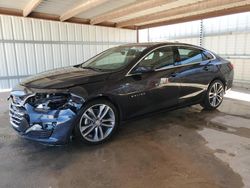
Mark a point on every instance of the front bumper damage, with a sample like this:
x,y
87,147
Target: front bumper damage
x,y
48,126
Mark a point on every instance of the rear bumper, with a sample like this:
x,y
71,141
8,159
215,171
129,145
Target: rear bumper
x,y
229,79
52,127
229,84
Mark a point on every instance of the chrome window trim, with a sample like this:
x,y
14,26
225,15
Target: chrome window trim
x,y
174,66
169,45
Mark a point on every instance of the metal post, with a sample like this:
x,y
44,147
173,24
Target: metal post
x,y
137,35
201,33
148,35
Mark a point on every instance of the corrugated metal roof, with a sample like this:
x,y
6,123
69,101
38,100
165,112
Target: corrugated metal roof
x,y
242,3
57,7
20,4
157,9
145,13
106,7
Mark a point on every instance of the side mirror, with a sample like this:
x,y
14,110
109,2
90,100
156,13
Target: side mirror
x,y
142,69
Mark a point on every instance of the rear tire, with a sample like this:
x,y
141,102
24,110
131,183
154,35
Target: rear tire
x,y
214,95
98,122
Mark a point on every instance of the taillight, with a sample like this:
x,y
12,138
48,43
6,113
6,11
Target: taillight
x,y
230,65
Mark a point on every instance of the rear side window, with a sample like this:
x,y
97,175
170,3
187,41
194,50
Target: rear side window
x,y
189,55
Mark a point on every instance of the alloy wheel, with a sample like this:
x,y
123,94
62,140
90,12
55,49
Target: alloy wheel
x,y
216,94
97,122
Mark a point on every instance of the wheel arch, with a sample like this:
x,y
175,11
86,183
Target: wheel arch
x,y
220,79
109,99
205,103
99,97
215,78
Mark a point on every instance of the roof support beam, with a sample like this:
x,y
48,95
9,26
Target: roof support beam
x,y
81,8
129,10
191,8
10,11
45,16
216,13
30,7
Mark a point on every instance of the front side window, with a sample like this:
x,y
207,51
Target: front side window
x,y
189,55
114,58
159,58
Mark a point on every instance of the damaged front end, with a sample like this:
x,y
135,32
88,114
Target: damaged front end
x,y
46,117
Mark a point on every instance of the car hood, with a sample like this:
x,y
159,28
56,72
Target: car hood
x,y
63,78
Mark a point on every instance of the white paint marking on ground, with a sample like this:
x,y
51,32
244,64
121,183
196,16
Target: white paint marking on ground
x,y
232,121
237,151
238,95
4,90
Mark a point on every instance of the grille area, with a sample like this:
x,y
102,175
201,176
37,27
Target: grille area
x,y
40,134
18,117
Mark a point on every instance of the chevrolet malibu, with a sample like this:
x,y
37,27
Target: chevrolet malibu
x,y
89,100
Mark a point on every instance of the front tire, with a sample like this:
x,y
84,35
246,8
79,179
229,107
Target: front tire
x,y
98,122
214,95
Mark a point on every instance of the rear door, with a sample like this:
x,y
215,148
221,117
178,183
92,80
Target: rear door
x,y
195,72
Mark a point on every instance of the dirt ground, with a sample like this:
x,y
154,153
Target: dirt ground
x,y
189,147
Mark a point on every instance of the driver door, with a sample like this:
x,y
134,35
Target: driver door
x,y
152,85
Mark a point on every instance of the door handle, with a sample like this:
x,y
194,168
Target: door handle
x,y
137,77
174,74
206,68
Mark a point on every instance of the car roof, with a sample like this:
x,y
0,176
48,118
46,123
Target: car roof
x,y
159,44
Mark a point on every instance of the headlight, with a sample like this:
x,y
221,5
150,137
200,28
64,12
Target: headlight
x,y
55,101
50,101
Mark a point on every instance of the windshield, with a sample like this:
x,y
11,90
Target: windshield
x,y
114,58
